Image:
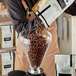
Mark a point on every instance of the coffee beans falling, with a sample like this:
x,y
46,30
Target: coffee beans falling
x,y
38,45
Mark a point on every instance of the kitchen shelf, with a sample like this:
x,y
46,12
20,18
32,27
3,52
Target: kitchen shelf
x,y
7,49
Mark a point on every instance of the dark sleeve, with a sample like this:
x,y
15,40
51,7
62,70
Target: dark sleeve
x,y
72,9
17,13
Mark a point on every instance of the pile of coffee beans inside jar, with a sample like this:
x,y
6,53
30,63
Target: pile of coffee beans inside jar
x,y
38,46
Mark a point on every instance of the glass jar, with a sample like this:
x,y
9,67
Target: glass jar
x,y
35,45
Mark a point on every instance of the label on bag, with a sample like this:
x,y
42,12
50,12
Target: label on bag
x,y
7,66
52,10
7,39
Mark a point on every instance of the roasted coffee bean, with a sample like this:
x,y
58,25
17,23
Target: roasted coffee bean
x,y
38,45
37,49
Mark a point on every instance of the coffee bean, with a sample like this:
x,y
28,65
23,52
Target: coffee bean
x,y
38,45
